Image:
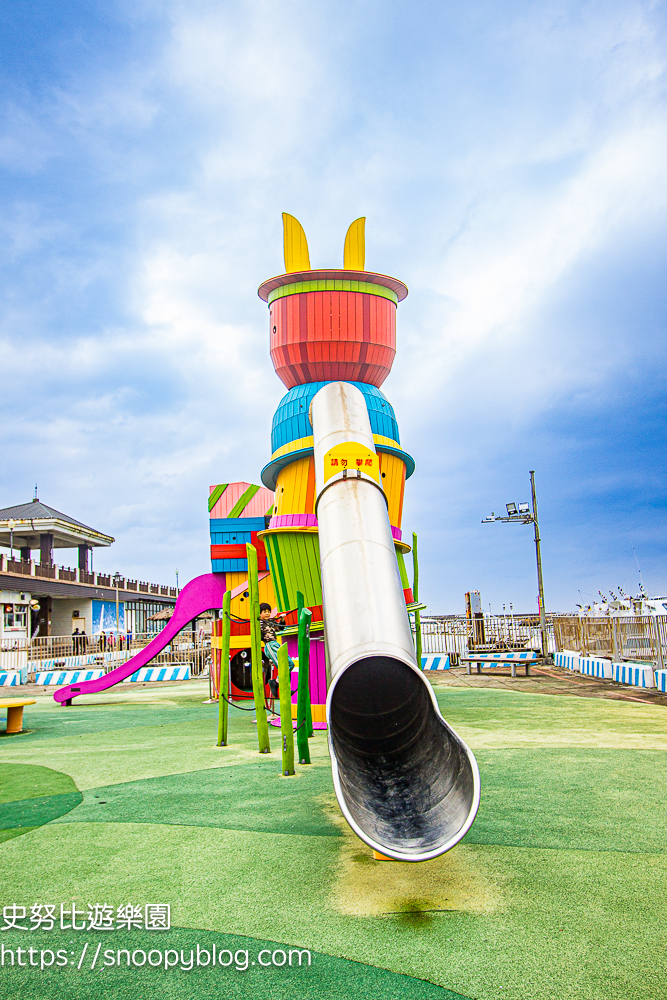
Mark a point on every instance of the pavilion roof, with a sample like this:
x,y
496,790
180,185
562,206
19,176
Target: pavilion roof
x,y
35,518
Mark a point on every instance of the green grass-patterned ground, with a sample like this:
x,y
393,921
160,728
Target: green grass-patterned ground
x,y
558,891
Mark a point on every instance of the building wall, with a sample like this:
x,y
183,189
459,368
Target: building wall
x,y
14,614
62,622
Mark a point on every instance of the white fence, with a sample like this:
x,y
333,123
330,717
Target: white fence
x,y
633,637
66,653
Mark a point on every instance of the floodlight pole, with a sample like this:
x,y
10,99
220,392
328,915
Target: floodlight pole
x,y
116,581
518,517
540,582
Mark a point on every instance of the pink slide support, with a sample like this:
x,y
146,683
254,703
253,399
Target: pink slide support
x,y
204,593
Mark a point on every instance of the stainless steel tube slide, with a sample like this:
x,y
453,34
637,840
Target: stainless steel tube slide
x,y
406,782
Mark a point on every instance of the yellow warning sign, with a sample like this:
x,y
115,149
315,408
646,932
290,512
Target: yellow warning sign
x,y
351,455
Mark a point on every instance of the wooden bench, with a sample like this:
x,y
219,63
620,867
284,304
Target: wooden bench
x,y
509,657
14,708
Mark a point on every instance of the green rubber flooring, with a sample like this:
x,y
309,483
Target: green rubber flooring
x,y
558,890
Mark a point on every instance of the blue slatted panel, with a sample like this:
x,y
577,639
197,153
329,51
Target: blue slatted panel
x,y
290,421
229,565
237,523
231,537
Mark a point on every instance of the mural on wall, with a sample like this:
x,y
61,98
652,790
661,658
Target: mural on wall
x,y
104,617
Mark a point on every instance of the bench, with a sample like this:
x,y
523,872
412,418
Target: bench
x,y
492,659
14,708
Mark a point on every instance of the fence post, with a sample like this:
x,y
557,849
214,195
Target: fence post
x,y
223,680
286,730
256,647
657,642
614,641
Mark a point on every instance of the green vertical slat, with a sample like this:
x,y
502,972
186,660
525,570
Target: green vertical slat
x,y
289,567
313,548
316,557
305,580
303,714
281,545
223,690
256,646
286,730
278,574
403,571
415,594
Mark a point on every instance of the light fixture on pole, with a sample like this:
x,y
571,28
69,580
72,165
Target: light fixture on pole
x,y
522,514
116,581
177,591
11,524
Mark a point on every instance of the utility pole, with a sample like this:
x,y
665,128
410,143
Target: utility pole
x,y
522,514
538,556
116,581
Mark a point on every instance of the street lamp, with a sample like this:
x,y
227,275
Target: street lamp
x,y
11,524
522,514
177,582
116,581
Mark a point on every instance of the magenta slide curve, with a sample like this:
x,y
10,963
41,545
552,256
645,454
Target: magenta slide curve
x,y
204,593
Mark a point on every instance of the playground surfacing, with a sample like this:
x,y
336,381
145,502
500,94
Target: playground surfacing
x,y
557,891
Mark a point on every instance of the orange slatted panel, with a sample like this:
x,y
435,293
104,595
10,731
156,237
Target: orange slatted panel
x,y
310,488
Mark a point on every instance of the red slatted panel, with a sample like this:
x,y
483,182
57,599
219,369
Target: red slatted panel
x,y
331,335
239,551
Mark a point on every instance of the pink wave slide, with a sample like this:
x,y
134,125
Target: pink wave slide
x,y
204,593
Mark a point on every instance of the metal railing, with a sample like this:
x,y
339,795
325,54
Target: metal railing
x,y
635,637
461,635
66,652
23,567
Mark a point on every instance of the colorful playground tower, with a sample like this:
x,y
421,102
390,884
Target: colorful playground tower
x,y
324,326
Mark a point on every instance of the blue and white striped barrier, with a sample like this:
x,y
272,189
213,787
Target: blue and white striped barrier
x,y
568,659
438,661
637,674
661,680
79,661
145,674
594,666
519,656
60,677
11,678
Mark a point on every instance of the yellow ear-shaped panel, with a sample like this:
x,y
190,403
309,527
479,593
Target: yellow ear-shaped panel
x,y
354,252
295,245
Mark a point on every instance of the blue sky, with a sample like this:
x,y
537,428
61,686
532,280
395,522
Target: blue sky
x,y
510,159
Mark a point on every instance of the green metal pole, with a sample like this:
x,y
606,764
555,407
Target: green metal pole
x,y
303,715
256,648
286,730
223,685
415,594
304,654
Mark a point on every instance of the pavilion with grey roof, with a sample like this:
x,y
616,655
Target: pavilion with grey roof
x,y
33,525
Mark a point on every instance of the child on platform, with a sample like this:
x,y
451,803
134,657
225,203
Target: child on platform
x,y
269,627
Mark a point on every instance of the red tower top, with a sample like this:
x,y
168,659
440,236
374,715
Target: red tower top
x,y
330,325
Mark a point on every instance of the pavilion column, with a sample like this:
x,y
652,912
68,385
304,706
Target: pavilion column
x,y
25,554
84,551
46,549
